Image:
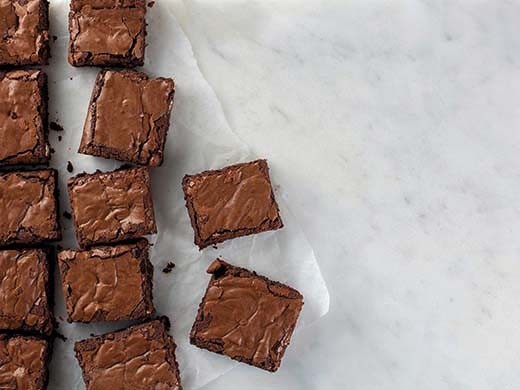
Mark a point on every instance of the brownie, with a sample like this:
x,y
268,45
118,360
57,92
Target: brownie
x,y
23,117
23,362
25,291
128,117
245,316
24,29
108,207
107,283
231,202
28,207
140,357
107,32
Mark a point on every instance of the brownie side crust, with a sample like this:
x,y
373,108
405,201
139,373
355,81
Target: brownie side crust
x,y
107,33
231,202
25,32
109,207
139,357
23,117
28,204
108,283
246,317
128,117
24,362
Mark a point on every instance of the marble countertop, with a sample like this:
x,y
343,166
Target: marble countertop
x,y
393,128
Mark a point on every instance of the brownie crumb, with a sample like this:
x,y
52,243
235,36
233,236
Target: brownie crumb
x,y
70,78
92,335
53,151
67,215
70,168
59,138
60,336
169,267
55,126
54,38
151,4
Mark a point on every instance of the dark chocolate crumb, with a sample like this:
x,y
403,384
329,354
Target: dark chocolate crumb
x,y
67,215
59,138
53,151
70,168
169,267
92,335
54,38
56,127
60,336
70,78
151,4
166,321
215,247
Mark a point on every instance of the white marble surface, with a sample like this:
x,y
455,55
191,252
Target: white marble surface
x,y
394,128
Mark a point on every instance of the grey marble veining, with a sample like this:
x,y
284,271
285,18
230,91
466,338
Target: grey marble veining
x,y
394,128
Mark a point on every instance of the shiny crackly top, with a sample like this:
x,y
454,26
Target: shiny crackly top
x,y
21,125
23,295
112,206
27,204
251,317
22,39
126,114
103,28
22,363
232,199
103,284
139,358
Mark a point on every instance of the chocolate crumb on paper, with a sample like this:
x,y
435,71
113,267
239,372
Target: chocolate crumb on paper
x,y
70,167
169,267
55,126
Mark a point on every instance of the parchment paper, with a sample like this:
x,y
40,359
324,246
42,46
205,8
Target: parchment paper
x,y
199,139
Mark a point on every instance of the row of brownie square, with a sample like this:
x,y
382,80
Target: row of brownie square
x,y
92,24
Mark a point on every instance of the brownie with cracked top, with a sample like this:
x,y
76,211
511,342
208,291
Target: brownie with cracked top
x,y
23,117
231,202
24,29
25,291
128,117
23,362
109,207
28,207
245,316
107,32
140,357
107,283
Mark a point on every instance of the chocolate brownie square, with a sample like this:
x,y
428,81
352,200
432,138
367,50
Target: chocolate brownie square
x,y
245,316
23,362
140,357
107,32
25,291
107,283
231,202
28,207
24,32
23,117
108,207
128,117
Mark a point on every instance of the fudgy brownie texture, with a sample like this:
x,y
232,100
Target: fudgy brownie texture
x,y
107,283
107,32
140,357
24,32
25,291
128,117
23,117
28,207
108,207
23,362
246,316
231,202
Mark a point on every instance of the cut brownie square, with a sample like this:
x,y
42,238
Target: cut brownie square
x,y
140,357
231,202
128,117
245,316
25,291
107,32
23,362
23,117
24,29
107,283
28,207
112,206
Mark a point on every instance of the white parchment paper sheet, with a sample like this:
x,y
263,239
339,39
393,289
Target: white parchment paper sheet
x,y
199,139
